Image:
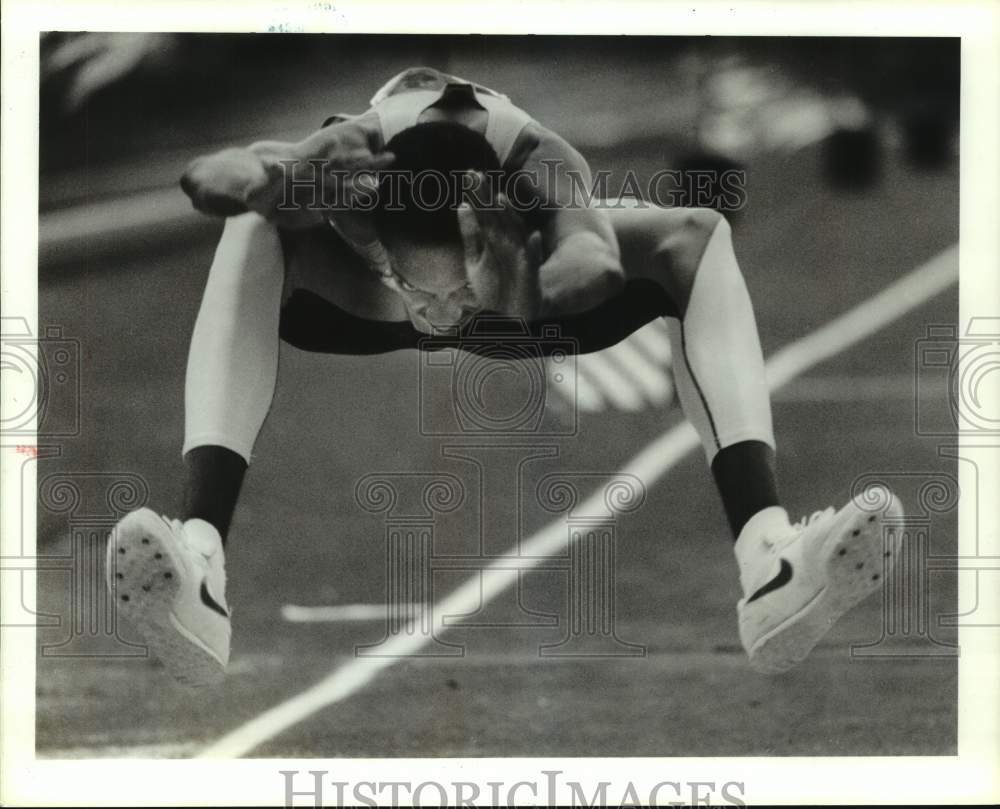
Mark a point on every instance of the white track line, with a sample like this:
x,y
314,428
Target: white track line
x,y
649,465
606,375
334,613
651,379
654,340
589,399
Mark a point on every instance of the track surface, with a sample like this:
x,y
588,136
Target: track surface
x,y
300,537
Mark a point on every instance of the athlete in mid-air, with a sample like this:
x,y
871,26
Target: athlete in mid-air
x,y
378,269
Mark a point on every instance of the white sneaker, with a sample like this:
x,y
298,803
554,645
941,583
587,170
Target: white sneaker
x,y
168,579
798,580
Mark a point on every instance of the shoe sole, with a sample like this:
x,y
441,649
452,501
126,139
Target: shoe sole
x,y
854,562
144,575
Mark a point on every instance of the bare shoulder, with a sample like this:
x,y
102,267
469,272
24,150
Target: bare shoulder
x,y
536,142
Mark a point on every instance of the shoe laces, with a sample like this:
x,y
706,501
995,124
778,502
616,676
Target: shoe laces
x,y
177,526
813,518
776,544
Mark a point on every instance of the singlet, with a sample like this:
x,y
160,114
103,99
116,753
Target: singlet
x,y
400,102
398,105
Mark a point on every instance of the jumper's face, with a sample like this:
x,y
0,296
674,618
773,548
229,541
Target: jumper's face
x,y
432,283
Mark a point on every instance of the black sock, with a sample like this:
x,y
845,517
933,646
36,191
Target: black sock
x,y
745,477
212,487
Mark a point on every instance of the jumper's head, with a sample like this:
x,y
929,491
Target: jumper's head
x,y
416,218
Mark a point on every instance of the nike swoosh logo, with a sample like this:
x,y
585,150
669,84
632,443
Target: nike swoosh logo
x,y
211,603
784,576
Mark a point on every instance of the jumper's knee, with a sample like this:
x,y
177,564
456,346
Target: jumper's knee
x,y
687,233
248,252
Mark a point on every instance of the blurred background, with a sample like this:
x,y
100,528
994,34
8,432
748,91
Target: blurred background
x,y
122,113
850,151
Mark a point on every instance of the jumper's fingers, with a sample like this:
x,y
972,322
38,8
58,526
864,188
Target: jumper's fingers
x,y
472,189
364,181
501,221
362,174
382,160
535,253
484,282
360,159
360,186
509,216
472,237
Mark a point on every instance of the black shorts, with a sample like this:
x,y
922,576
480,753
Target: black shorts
x,y
312,323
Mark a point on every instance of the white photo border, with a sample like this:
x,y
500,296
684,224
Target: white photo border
x,y
971,776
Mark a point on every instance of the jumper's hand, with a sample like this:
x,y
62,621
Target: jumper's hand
x,y
501,259
228,183
293,184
